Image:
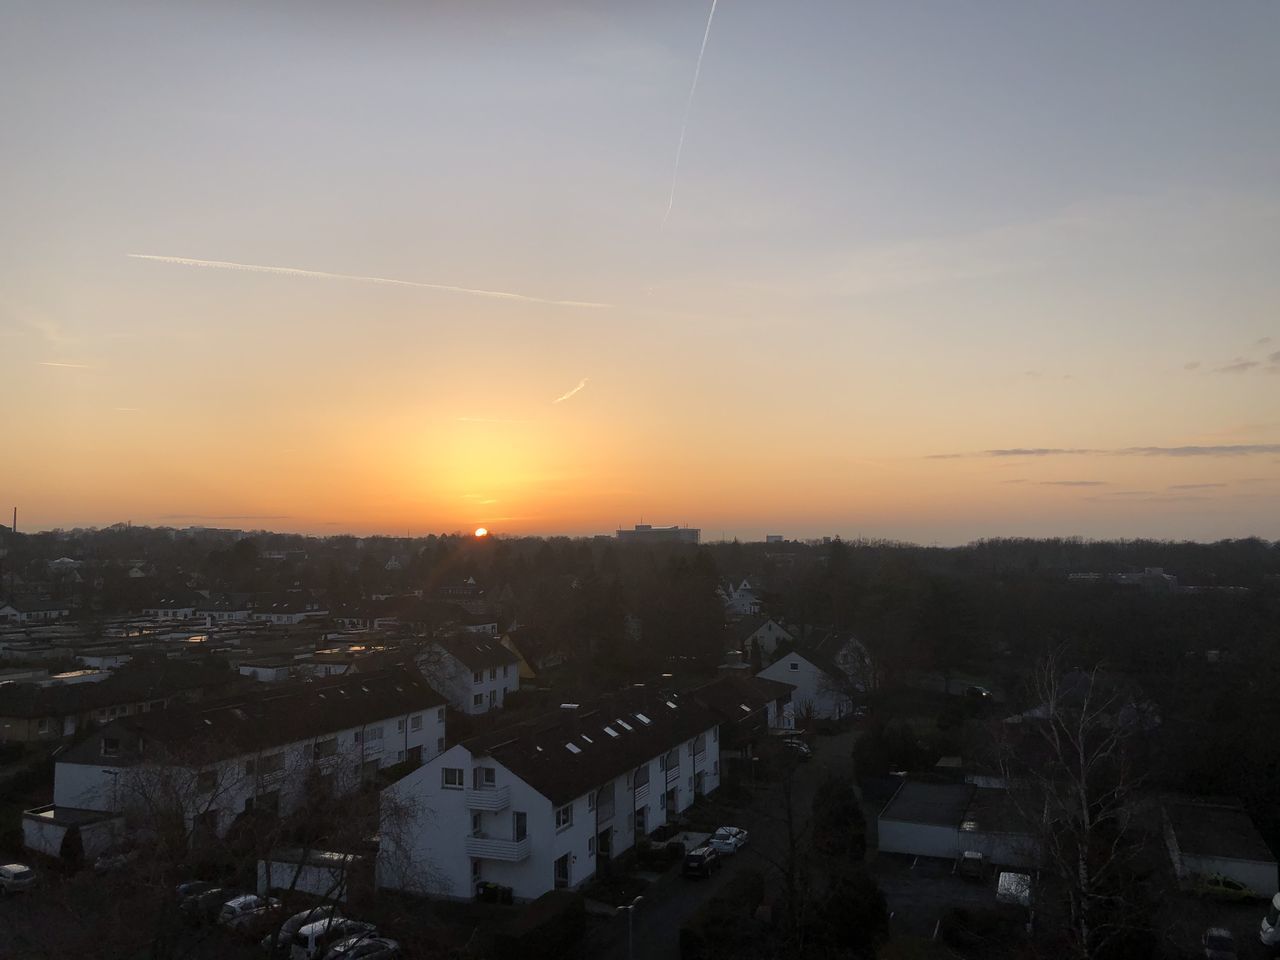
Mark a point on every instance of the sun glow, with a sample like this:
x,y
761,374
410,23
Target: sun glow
x,y
481,532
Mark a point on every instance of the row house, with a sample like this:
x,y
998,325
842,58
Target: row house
x,y
34,611
537,806
748,708
474,672
262,753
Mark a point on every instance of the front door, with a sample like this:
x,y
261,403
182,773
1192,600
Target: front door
x,y
519,825
562,872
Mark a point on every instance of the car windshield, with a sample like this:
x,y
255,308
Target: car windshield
x,y
22,875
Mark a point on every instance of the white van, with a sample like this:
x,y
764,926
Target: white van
x,y
312,940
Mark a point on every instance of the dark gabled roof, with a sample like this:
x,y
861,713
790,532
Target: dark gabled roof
x,y
261,720
645,725
727,695
478,652
822,661
32,606
130,684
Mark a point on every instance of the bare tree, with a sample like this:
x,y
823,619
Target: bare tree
x,y
1073,766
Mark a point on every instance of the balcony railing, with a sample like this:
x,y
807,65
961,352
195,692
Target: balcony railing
x,y
489,798
491,848
673,775
642,792
700,759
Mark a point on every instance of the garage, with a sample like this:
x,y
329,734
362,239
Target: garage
x,y
1217,838
923,819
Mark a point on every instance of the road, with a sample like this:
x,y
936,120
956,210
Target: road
x,y
672,900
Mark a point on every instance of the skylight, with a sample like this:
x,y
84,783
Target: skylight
x,y
573,748
588,739
643,719
610,731
623,724
744,708
671,705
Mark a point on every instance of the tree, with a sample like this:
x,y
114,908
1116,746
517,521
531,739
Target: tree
x,y
839,827
1074,769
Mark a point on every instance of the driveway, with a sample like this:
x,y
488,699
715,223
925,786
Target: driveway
x,y
920,889
673,900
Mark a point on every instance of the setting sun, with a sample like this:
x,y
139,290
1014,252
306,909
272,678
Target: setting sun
x,y
481,532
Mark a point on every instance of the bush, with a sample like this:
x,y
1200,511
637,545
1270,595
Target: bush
x,y
724,926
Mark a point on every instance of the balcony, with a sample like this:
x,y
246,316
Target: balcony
x,y
642,792
673,775
700,760
490,848
491,799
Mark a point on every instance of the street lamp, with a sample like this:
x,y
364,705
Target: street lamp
x,y
631,909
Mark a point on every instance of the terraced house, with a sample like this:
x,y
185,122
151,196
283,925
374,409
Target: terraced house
x,y
259,753
536,806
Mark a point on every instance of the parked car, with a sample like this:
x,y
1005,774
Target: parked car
x,y
313,940
16,877
189,888
113,861
1218,944
364,948
860,713
205,907
972,865
799,748
727,840
281,941
701,861
1222,888
238,912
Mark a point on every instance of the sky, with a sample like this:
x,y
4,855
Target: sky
x,y
928,271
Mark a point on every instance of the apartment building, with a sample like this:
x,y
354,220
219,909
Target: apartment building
x,y
474,672
536,806
262,752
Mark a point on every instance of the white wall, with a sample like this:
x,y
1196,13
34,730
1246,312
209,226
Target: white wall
x,y
1258,875
811,686
918,839
457,682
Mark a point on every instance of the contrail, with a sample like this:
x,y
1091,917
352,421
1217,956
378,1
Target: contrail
x,y
73,366
688,108
581,383
321,275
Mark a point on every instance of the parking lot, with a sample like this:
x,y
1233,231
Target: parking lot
x,y
920,889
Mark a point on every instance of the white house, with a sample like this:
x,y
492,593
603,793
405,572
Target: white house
x,y
474,672
260,753
821,687
766,632
34,611
740,600
535,806
171,609
290,609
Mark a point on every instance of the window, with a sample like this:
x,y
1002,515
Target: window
x,y
206,780
325,748
564,817
452,778
519,825
156,705
440,715
591,802
562,872
493,673
399,756
373,733
415,723
271,763
477,824
478,700
484,778
793,666
715,734
475,871
110,746
400,725
591,846
439,744
44,725
477,677
506,669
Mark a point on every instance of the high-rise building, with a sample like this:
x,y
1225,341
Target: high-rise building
x,y
644,533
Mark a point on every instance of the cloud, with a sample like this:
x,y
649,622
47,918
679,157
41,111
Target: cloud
x,y
563,397
1221,450
1195,486
1239,366
1273,357
69,366
1261,342
487,420
1073,483
1151,499
1019,480
322,275
1193,365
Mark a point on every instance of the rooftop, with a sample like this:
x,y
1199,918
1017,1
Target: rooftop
x,y
942,804
1216,829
